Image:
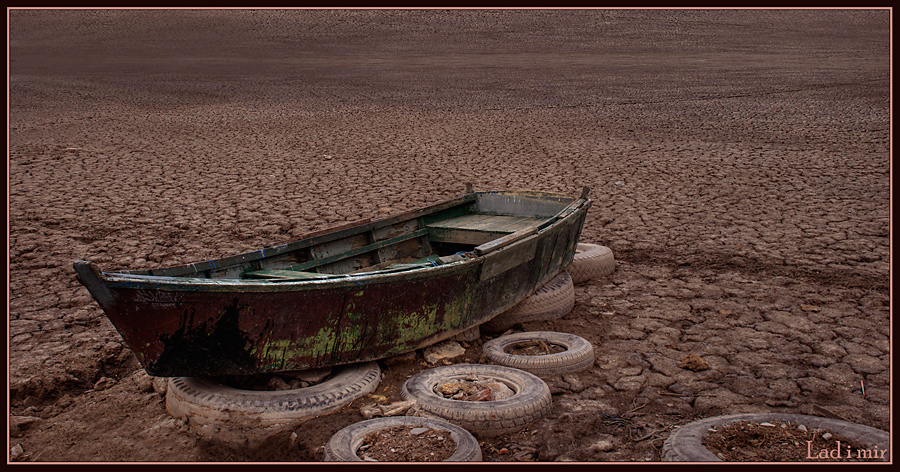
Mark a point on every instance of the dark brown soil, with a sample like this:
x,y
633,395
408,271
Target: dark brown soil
x,y
407,444
534,348
746,441
738,160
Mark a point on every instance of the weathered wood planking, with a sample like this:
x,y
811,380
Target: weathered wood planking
x,y
479,229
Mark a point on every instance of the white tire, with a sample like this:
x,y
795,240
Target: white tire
x,y
578,356
530,401
343,445
552,301
590,262
202,400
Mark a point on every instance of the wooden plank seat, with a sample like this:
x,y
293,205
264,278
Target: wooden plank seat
x,y
478,229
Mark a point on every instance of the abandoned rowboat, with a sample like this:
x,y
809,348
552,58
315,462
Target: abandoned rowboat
x,y
360,292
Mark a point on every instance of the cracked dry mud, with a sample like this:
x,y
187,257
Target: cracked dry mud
x,y
738,160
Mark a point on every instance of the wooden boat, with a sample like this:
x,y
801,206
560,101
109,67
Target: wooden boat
x,y
360,292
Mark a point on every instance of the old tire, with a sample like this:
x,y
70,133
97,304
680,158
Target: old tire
x,y
204,401
590,262
552,301
578,356
343,445
530,401
685,444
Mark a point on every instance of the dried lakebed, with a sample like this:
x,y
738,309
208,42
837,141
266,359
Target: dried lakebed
x,y
743,187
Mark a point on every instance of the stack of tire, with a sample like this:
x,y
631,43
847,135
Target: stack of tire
x,y
556,298
207,401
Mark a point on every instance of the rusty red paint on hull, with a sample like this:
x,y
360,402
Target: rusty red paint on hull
x,y
242,333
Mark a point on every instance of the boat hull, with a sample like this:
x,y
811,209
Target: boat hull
x,y
180,326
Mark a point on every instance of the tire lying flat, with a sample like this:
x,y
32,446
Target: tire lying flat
x,y
685,444
578,356
590,262
204,401
552,301
343,445
530,402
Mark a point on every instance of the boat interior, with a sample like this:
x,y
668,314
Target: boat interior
x,y
456,229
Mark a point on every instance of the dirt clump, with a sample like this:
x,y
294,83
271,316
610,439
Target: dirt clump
x,y
534,348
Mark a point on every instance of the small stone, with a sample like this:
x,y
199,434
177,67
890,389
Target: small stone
x,y
695,363
810,308
827,436
524,454
369,411
802,428
449,388
418,431
160,385
767,424
442,351
15,452
142,381
603,445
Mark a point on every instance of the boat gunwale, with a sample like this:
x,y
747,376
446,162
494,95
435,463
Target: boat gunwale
x,y
156,282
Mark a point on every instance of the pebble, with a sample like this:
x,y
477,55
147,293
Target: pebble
x,y
104,383
15,452
160,385
602,445
442,351
695,363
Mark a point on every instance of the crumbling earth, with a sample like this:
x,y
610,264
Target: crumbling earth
x,y
738,160
748,441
